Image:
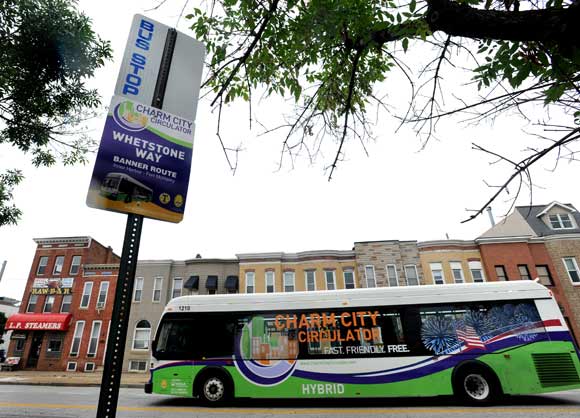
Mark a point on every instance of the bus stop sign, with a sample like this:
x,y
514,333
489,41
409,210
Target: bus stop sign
x,y
144,158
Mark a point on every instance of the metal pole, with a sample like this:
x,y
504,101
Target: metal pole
x,y
2,269
113,367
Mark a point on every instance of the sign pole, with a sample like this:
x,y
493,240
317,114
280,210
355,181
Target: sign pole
x,y
113,367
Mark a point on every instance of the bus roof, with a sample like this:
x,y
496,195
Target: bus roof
x,y
378,296
128,177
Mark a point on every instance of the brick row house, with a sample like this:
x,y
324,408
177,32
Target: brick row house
x,y
63,320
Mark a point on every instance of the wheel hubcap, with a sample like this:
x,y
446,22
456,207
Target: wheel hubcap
x,y
476,386
213,389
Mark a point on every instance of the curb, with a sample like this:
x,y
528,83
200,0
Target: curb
x,y
67,384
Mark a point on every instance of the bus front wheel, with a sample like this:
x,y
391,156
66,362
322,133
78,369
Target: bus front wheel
x,y
476,386
214,389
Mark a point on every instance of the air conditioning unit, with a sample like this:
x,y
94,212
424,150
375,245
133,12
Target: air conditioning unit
x,y
100,305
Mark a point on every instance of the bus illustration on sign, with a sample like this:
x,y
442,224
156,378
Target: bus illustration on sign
x,y
122,187
474,341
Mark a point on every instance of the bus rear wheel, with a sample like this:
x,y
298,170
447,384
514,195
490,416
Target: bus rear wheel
x,y
476,386
214,390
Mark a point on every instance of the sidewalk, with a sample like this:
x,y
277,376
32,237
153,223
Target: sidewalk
x,y
19,377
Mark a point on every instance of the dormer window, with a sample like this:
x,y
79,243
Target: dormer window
x,y
561,221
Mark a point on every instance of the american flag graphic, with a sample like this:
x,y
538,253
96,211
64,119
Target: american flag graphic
x,y
470,337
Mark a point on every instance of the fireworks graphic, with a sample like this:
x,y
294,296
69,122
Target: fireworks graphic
x,y
438,334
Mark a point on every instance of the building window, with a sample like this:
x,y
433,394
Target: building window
x,y
77,337
71,366
177,287
457,271
66,303
330,279
75,265
142,335
392,276
572,269
437,273
86,297
20,344
288,281
48,304
32,300
524,272
54,346
138,292
370,276
58,265
349,279
411,275
561,221
94,341
137,366
501,274
250,282
544,275
476,271
310,278
42,263
270,282
157,285
102,299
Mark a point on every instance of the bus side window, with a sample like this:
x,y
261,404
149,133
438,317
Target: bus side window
x,y
411,319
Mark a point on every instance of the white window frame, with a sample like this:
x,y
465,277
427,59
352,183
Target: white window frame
x,y
374,278
56,272
333,279
72,264
137,370
35,297
157,288
69,369
69,304
250,281
269,280
89,285
559,217
287,276
573,259
79,325
95,328
135,337
40,264
138,289
437,266
51,298
416,274
102,302
351,272
476,266
394,266
456,266
93,366
313,277
173,288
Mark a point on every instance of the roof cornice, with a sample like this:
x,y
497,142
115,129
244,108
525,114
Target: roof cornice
x,y
63,240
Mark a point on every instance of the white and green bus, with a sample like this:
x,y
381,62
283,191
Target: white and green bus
x,y
475,341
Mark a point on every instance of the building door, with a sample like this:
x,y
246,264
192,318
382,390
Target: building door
x,y
35,348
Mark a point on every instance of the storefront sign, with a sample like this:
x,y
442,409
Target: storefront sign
x,y
33,322
51,291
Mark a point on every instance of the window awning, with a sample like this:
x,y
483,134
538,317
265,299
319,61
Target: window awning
x,y
39,322
192,283
211,282
232,283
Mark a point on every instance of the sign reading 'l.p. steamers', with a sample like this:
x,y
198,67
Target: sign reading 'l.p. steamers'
x,y
144,159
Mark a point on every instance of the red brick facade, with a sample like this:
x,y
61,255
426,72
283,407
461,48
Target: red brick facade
x,y
51,350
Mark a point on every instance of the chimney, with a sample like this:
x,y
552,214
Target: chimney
x,y
490,216
2,269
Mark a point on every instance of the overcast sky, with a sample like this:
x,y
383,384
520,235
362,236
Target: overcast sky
x,y
396,192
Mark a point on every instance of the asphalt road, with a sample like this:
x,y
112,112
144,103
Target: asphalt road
x,y
80,402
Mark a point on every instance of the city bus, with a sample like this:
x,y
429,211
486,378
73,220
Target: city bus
x,y
475,341
120,186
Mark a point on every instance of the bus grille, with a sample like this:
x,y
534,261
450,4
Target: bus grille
x,y
556,369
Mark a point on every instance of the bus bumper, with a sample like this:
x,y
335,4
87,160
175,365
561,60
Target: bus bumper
x,y
148,387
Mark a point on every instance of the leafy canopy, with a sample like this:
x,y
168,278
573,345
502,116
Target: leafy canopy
x,y
48,51
329,57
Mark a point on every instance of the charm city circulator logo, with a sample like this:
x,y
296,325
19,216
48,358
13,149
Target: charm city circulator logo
x,y
126,117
